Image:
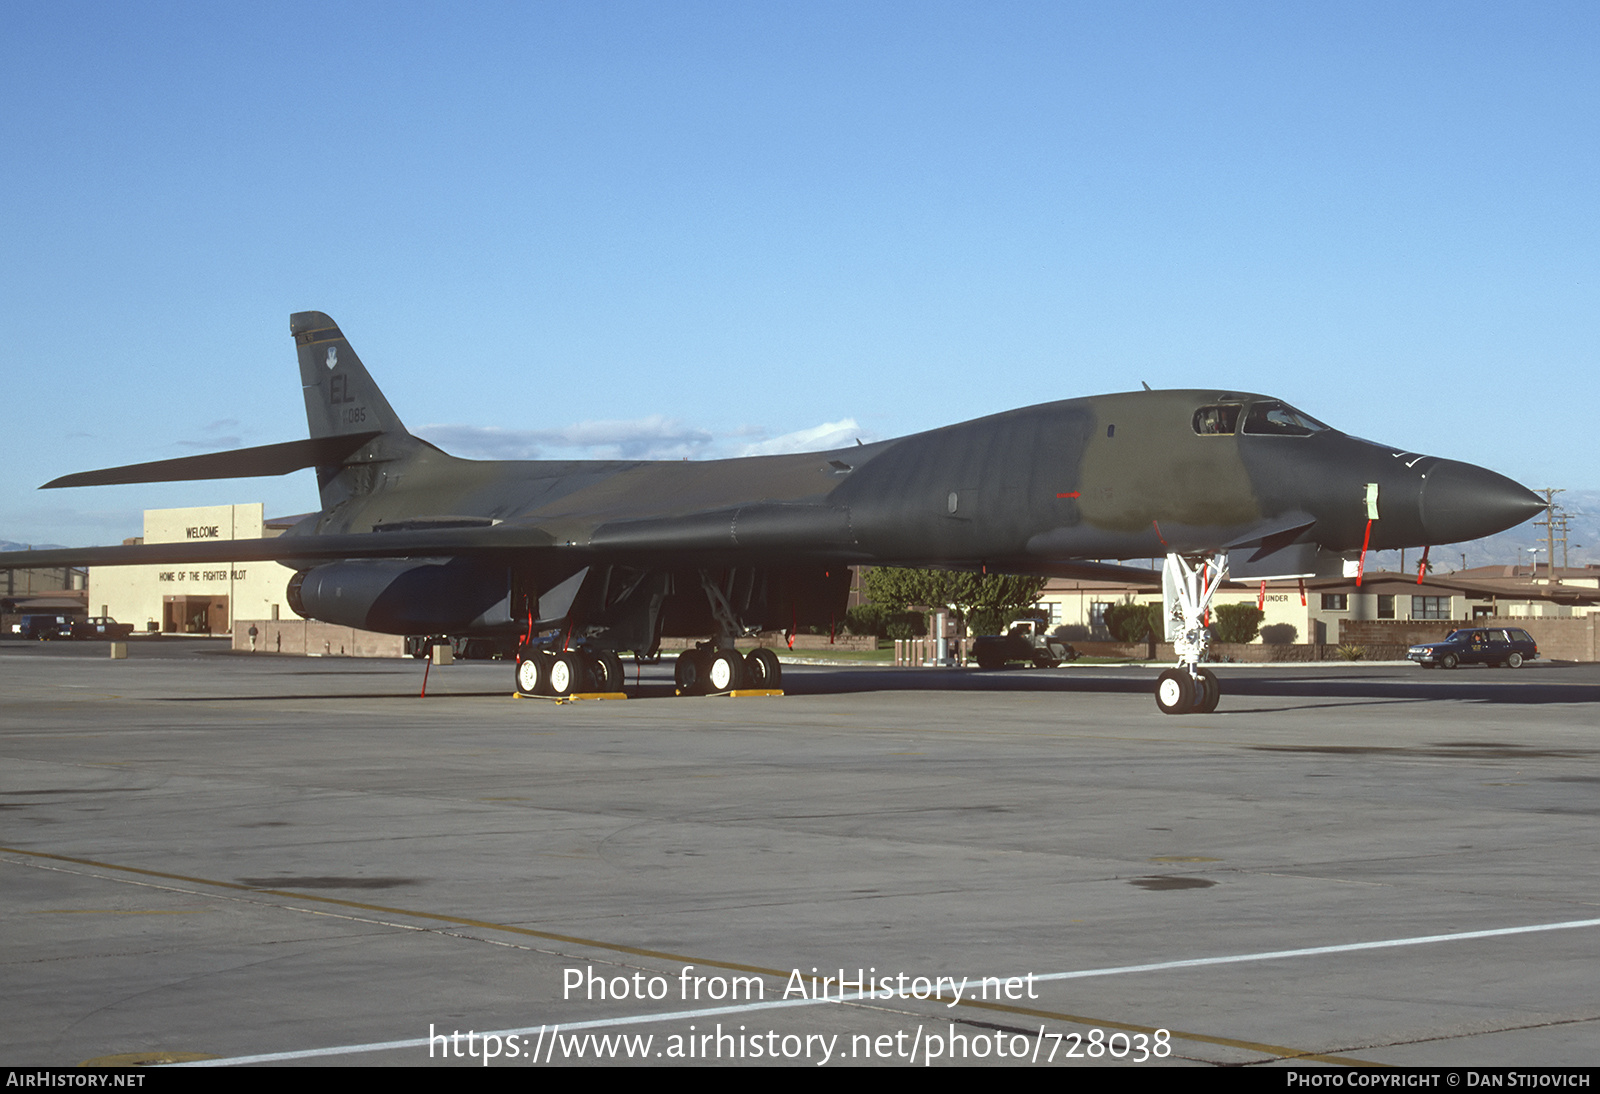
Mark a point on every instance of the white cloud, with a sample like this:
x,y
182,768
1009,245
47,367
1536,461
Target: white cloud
x,y
818,438
650,438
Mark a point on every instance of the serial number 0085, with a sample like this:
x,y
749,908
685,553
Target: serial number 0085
x,y
1097,1044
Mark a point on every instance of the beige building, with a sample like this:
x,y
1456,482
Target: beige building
x,y
194,599
1311,611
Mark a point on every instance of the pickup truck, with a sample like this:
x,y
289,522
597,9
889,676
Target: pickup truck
x,y
1026,643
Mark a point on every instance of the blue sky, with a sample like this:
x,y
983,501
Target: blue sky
x,y
702,229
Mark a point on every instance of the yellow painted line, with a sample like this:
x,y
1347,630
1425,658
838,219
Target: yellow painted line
x,y
115,911
140,1059
438,917
1277,1051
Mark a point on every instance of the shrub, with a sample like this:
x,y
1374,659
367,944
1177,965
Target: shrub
x,y
1129,622
1235,622
876,620
899,630
1279,634
1352,653
865,619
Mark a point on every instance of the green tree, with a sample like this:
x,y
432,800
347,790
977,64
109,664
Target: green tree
x,y
1235,622
986,602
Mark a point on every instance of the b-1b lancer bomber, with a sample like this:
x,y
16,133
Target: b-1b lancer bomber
x,y
607,556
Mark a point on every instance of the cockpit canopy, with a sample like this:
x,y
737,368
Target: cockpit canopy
x,y
1269,417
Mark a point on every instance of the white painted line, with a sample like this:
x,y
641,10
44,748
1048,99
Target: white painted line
x,y
1313,951
552,1029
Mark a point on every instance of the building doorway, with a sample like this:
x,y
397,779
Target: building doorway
x,y
194,615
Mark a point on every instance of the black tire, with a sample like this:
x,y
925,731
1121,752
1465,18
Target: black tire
x,y
763,669
689,674
985,662
531,672
1514,661
1210,692
608,672
565,674
1175,692
1448,661
724,671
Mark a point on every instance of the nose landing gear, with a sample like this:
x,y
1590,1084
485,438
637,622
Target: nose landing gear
x,y
1188,588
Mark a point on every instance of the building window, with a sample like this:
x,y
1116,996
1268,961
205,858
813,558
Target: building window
x,y
1430,607
1385,605
1335,602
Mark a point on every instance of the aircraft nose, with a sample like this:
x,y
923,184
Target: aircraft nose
x,y
1462,501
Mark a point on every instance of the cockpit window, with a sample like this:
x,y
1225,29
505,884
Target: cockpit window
x,y
1212,421
1280,420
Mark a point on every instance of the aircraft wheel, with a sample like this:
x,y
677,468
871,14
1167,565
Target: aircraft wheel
x,y
566,674
725,671
608,674
1514,661
531,672
1210,692
690,673
763,669
1448,661
1175,692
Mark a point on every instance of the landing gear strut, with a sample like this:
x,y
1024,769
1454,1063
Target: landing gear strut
x,y
1187,589
715,667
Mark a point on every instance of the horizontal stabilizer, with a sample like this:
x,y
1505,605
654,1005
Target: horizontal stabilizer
x,y
237,463
294,550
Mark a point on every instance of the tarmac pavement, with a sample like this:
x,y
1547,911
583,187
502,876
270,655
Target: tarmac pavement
x,y
219,856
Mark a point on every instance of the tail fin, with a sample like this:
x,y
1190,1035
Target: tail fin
x,y
340,396
342,400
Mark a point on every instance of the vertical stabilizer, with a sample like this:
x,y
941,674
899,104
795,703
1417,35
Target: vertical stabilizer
x,y
340,395
342,399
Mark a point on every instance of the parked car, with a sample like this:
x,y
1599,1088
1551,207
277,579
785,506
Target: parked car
x,y
1026,643
1508,646
101,626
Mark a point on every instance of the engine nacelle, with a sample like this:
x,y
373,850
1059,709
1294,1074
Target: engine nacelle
x,y
406,595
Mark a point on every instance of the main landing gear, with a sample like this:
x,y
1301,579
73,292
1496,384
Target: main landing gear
x,y
1187,590
589,665
545,671
707,670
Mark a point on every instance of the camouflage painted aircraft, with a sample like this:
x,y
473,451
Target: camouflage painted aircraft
x,y
608,556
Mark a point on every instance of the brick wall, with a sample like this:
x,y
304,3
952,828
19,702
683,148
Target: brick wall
x,y
309,637
1560,639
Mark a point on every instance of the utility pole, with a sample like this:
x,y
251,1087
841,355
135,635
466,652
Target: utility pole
x,y
1549,525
